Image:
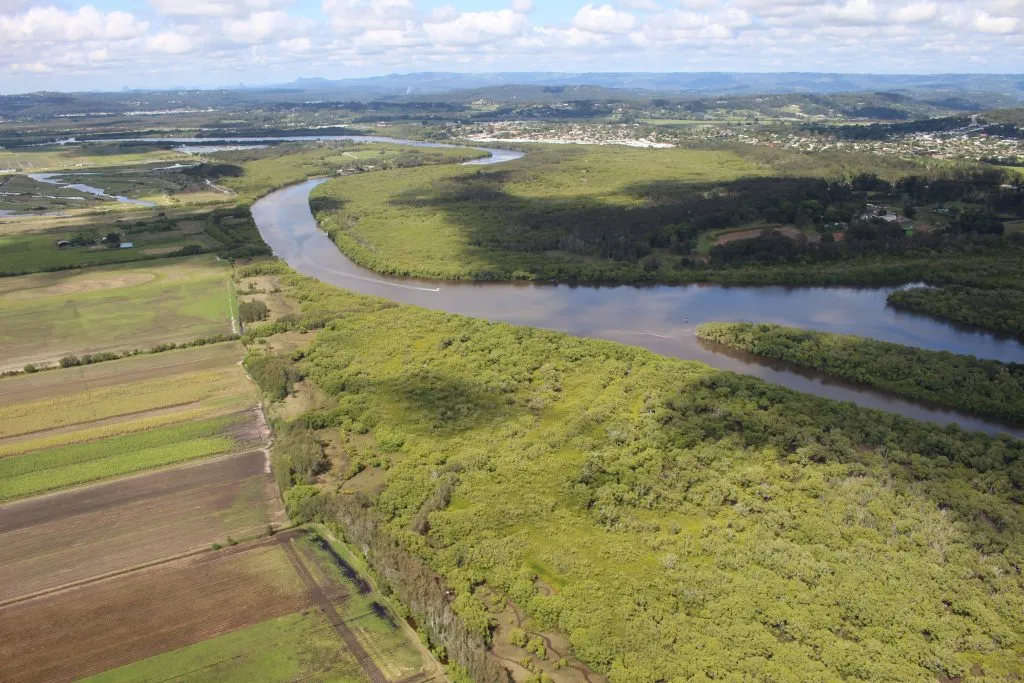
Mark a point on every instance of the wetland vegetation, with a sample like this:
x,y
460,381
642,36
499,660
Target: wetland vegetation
x,y
751,518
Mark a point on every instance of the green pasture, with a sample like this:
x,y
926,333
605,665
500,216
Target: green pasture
x,y
30,253
93,154
113,307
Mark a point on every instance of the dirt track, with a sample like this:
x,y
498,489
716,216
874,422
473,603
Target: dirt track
x,y
324,602
56,539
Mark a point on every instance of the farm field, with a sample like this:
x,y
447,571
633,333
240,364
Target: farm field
x,y
267,610
62,157
70,536
75,425
28,253
48,315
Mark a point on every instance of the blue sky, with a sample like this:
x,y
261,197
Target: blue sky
x,y
110,44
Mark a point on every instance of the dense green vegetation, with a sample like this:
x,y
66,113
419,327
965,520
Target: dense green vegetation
x,y
672,520
599,214
999,310
985,387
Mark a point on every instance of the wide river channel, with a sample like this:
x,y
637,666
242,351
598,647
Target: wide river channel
x,y
660,318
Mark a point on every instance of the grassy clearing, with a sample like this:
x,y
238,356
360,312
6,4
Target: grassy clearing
x,y
55,468
113,307
295,647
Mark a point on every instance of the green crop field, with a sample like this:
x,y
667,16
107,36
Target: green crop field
x,y
75,425
63,466
296,647
48,315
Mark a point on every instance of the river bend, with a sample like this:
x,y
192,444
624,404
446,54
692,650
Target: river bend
x,y
661,318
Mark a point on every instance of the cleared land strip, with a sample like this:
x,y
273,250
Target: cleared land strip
x,y
66,635
65,537
324,602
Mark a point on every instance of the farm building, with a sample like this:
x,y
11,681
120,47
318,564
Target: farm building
x,y
127,245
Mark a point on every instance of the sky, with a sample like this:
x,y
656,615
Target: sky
x,y
113,44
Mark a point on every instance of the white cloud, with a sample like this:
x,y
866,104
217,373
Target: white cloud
x,y
259,27
603,19
50,24
916,13
215,8
472,28
170,42
986,23
640,5
852,12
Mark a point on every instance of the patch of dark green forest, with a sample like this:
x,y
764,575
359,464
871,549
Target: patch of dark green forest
x,y
983,387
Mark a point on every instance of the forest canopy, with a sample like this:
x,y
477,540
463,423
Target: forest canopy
x,y
673,521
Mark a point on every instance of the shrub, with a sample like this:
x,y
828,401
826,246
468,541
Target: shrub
x,y
252,311
30,368
274,376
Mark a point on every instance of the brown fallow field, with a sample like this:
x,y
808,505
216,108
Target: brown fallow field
x,y
70,536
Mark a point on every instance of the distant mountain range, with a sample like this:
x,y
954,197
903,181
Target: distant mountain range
x,y
1010,85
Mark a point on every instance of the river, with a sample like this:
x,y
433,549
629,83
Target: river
x,y
661,318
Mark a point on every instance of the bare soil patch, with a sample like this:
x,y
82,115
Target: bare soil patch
x,y
98,626
740,235
57,539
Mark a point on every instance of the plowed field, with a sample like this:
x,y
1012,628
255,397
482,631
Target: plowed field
x,y
52,540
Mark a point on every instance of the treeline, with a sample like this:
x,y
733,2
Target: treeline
x,y
236,233
997,310
72,360
983,387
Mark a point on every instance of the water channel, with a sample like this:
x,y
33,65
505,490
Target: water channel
x,y
661,318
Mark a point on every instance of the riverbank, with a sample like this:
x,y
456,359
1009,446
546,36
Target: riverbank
x,y
981,387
